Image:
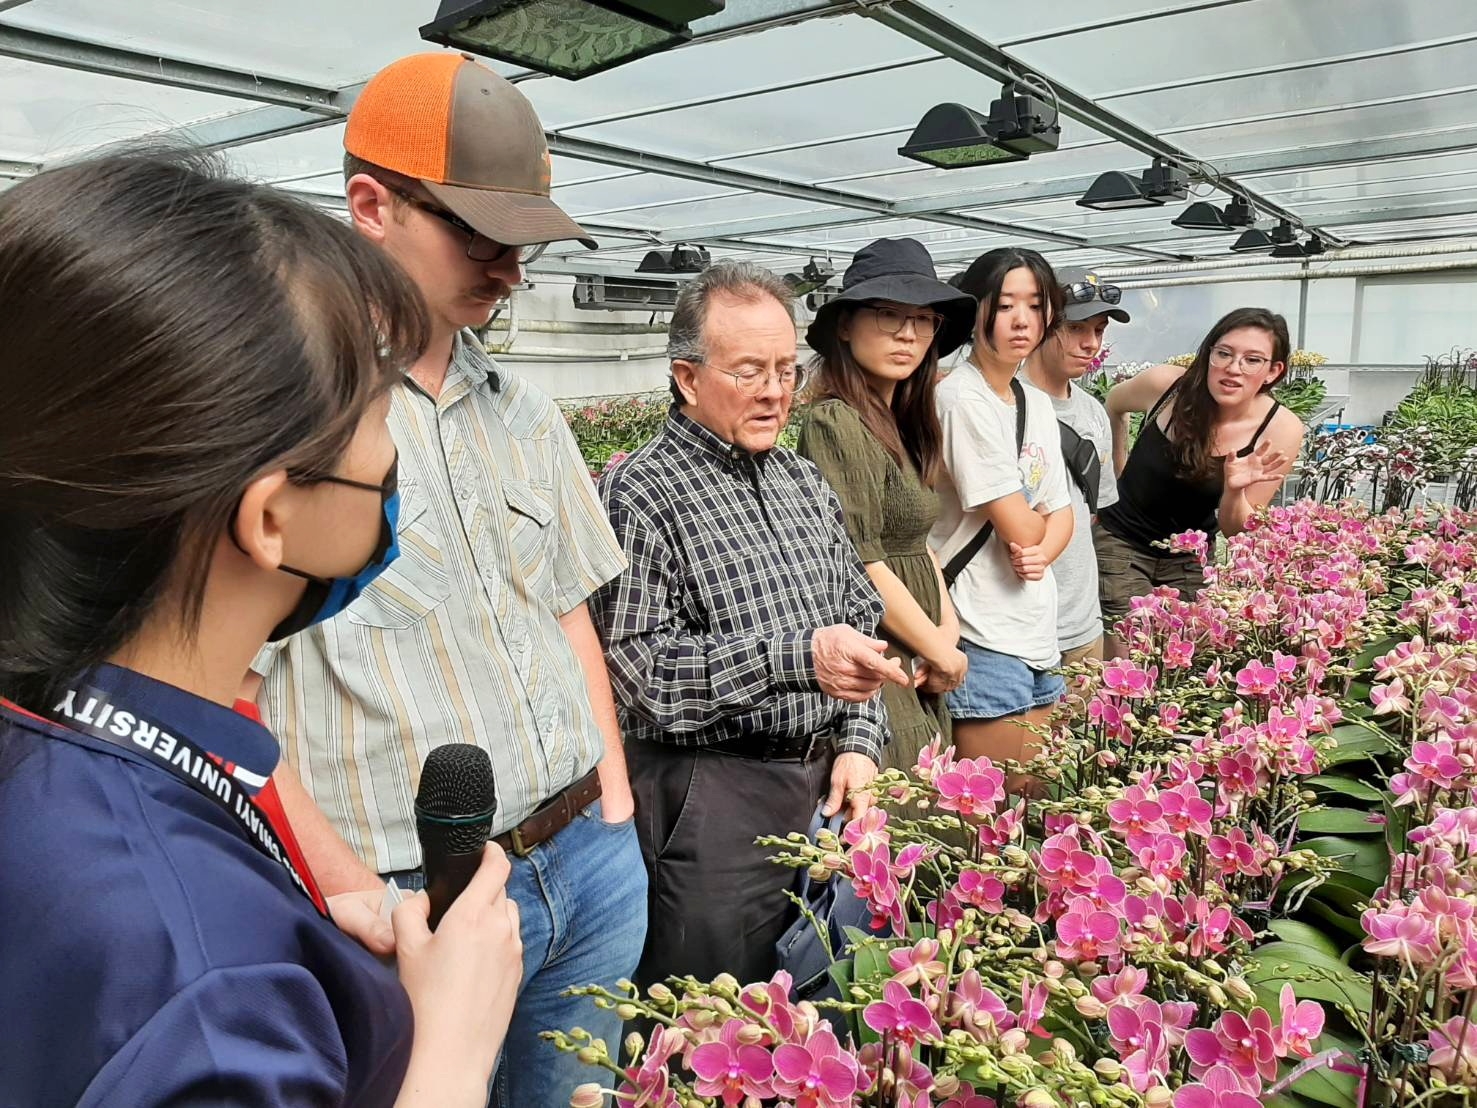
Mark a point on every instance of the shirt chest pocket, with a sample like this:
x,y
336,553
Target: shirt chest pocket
x,y
416,582
531,534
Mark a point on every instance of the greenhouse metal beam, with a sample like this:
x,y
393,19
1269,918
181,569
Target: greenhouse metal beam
x,y
112,61
13,170
256,124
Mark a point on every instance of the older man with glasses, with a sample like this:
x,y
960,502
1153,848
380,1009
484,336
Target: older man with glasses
x,y
739,638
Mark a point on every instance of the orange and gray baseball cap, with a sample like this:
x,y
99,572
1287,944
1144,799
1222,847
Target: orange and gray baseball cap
x,y
470,137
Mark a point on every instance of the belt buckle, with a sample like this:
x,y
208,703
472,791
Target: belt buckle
x,y
520,848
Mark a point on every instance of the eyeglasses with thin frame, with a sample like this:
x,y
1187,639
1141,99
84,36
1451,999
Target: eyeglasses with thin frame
x,y
1085,292
1222,358
480,248
754,382
891,321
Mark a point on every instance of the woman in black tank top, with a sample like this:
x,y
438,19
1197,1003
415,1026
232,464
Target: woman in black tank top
x,y
1213,449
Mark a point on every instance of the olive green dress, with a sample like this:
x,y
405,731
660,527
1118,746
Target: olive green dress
x,y
889,513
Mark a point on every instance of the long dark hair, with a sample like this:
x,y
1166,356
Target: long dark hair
x,y
168,336
1193,411
908,430
985,277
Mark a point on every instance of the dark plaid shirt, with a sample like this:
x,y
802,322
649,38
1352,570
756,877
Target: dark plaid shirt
x,y
735,561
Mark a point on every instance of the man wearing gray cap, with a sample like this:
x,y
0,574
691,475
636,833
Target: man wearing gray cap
x,y
1087,444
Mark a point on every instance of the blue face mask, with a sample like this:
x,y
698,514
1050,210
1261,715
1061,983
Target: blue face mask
x,y
326,597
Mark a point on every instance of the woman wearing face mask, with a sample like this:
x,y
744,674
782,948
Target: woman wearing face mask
x,y
875,435
1215,446
220,475
1005,511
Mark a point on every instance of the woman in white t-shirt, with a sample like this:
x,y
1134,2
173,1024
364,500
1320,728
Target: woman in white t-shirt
x,y
1005,594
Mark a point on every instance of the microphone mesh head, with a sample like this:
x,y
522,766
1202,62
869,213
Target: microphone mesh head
x,y
456,783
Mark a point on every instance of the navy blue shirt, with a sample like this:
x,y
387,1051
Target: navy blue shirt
x,y
150,952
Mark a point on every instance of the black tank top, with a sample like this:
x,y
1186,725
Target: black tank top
x,y
1154,500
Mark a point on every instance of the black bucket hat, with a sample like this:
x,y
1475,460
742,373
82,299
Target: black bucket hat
x,y
902,271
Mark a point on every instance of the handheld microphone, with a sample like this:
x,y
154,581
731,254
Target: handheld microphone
x,y
454,807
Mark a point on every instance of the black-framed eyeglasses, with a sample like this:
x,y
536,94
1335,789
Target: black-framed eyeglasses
x,y
891,321
1085,292
480,248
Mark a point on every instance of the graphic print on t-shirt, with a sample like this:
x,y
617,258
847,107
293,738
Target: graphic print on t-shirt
x,y
1033,470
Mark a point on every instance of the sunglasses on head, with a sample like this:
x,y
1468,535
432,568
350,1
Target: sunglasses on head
x,y
1085,292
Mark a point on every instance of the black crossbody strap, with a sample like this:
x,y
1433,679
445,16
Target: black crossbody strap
x,y
975,545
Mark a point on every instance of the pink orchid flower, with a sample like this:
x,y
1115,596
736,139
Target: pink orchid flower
x,y
1245,1044
1220,1087
1454,1051
973,787
1302,1022
819,1073
901,1015
731,1070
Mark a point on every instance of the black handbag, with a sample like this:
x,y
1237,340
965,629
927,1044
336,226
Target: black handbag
x,y
836,906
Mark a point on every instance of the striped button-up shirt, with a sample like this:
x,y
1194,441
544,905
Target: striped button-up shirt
x,y
459,639
734,561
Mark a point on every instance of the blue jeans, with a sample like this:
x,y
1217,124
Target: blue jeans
x,y
999,685
581,900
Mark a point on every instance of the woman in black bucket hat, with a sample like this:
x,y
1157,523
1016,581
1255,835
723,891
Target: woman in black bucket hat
x,y
875,436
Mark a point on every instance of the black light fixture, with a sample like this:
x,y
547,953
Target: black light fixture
x,y
1201,216
680,259
567,38
1284,234
601,292
816,273
1313,247
1239,212
1114,190
1018,122
1253,241
951,136
1165,181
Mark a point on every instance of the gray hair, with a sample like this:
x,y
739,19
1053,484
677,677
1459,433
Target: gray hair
x,y
742,280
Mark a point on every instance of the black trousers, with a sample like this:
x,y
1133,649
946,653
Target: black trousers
x,y
716,903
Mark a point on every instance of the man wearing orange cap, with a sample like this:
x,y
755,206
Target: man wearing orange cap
x,y
479,631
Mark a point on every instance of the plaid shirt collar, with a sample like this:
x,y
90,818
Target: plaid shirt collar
x,y
704,442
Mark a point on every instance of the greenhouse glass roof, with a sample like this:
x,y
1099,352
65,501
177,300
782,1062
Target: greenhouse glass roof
x,y
774,134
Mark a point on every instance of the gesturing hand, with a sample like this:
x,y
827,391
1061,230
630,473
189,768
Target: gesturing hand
x,y
850,666
1265,463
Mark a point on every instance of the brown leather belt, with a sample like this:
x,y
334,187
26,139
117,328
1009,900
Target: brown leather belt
x,y
552,816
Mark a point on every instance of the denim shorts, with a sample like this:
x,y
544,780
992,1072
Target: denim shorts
x,y
999,685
